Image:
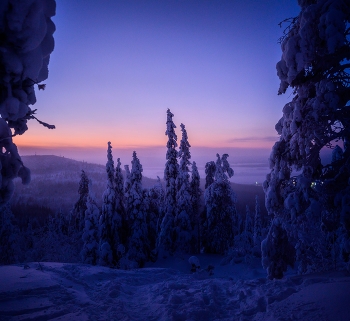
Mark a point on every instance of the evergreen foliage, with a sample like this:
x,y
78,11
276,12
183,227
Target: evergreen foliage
x,y
209,173
166,237
25,46
112,220
132,220
183,222
220,202
314,63
138,244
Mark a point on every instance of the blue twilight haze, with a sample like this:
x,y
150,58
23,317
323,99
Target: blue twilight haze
x,y
118,65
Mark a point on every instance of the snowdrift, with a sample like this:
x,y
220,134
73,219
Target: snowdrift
x,y
59,291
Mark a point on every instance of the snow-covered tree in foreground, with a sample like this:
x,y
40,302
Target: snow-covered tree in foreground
x,y
220,201
183,221
166,238
315,64
26,43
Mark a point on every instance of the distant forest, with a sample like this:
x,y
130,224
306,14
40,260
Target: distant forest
x,y
53,192
55,182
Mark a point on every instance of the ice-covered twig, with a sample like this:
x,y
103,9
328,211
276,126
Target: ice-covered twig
x,y
30,115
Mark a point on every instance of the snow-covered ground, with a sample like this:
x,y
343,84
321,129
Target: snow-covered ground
x,y
167,290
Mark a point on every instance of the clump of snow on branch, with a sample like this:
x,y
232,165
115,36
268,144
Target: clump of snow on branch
x,y
26,32
315,65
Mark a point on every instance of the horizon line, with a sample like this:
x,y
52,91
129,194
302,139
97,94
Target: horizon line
x,y
53,147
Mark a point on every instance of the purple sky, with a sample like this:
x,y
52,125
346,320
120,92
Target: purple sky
x,y
118,65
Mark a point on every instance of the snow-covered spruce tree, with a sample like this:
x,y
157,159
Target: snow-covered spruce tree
x,y
184,221
90,251
9,248
209,179
111,226
127,181
78,212
166,235
209,173
26,31
220,201
105,219
315,64
138,244
196,193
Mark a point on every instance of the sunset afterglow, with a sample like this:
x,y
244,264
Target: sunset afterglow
x,y
118,66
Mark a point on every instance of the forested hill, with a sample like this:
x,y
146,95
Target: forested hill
x,y
55,182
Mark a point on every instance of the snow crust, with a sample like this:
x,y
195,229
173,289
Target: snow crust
x,y
167,290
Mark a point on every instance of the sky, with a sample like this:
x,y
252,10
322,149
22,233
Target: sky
x,y
118,66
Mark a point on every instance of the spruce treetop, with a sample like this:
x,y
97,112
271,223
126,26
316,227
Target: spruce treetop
x,y
110,164
170,131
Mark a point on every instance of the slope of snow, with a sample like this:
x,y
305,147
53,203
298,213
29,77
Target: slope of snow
x,y
60,291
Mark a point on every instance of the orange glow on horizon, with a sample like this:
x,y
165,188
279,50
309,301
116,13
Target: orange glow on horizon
x,y
32,144
65,138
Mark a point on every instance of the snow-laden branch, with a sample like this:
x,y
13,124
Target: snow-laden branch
x,y
26,43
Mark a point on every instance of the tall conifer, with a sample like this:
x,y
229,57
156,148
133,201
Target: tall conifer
x,y
166,236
